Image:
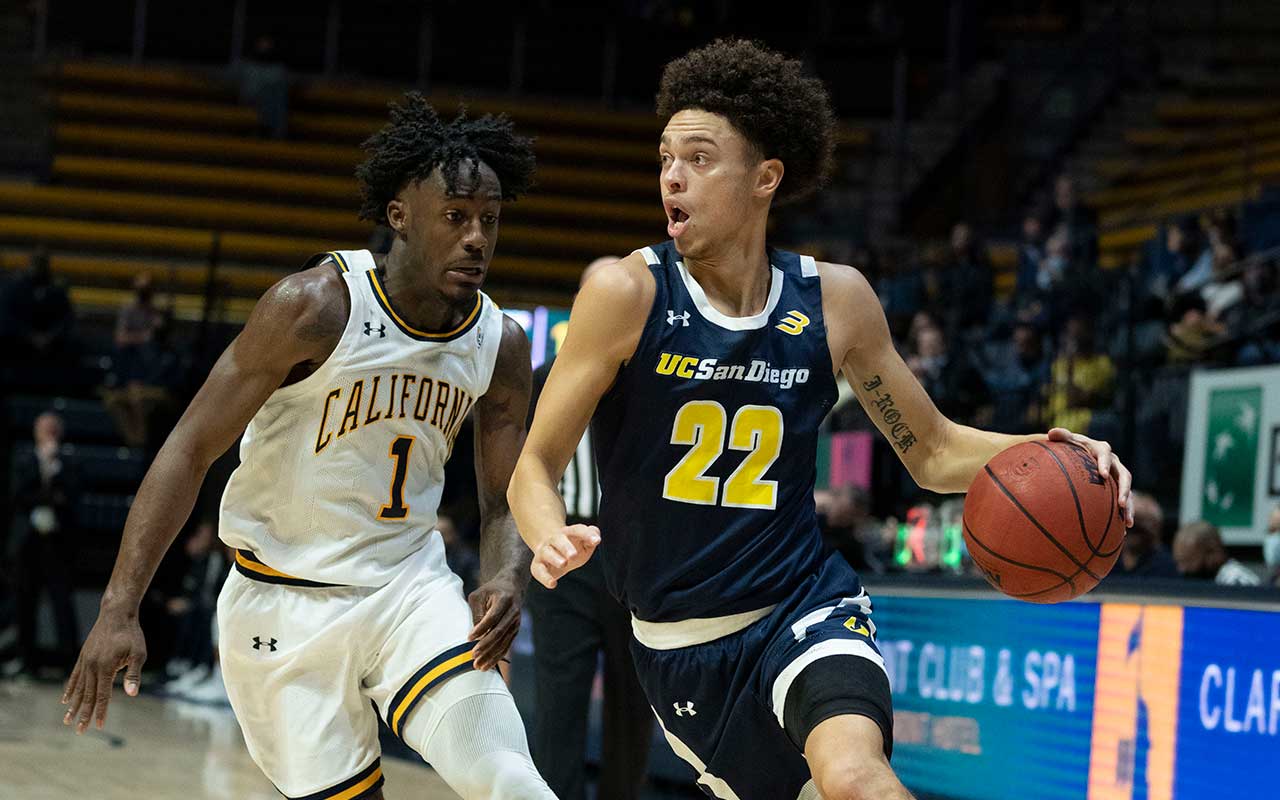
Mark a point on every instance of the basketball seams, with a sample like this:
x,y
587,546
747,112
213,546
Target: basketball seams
x,y
1052,539
1084,531
1063,580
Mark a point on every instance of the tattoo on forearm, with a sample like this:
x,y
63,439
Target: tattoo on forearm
x,y
899,433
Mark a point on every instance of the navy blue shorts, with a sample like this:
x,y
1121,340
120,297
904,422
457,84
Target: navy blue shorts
x,y
721,704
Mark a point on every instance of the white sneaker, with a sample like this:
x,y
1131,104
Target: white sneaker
x,y
186,681
210,691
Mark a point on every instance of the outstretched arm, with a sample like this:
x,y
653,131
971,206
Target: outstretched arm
x,y
941,455
604,329
504,559
297,322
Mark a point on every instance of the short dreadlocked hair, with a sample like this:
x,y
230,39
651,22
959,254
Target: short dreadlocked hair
x,y
415,142
784,113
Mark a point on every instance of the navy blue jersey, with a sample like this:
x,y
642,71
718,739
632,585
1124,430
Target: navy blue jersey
x,y
707,447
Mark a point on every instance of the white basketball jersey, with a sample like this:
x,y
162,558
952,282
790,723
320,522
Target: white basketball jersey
x,y
341,473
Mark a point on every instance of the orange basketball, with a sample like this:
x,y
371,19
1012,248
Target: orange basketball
x,y
1042,522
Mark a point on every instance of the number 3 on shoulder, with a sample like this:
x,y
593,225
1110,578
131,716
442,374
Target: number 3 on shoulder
x,y
701,425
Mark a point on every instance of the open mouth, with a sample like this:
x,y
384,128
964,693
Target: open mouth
x,y
677,220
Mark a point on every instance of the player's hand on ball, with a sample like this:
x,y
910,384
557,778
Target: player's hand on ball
x,y
495,607
115,643
1108,464
566,551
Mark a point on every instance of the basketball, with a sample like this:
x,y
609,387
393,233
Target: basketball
x,y
1042,522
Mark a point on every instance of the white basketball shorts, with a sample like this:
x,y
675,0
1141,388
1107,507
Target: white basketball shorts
x,y
302,661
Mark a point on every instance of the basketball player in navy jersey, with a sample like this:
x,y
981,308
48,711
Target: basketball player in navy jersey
x,y
712,360
353,377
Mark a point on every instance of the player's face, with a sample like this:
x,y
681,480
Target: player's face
x,y
453,235
709,173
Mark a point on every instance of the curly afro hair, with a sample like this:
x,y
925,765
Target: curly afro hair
x,y
784,113
416,142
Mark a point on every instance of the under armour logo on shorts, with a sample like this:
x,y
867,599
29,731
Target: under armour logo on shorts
x,y
258,643
687,709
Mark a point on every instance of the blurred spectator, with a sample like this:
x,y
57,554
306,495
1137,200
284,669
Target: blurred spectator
x,y
1271,548
193,611
461,557
1031,254
1193,333
1082,379
949,377
844,515
1017,380
1179,254
1253,323
1219,246
264,84
45,492
1077,221
136,388
1144,554
36,317
963,292
1200,554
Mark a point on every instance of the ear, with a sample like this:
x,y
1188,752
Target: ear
x,y
768,177
397,215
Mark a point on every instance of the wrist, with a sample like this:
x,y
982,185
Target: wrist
x,y
118,605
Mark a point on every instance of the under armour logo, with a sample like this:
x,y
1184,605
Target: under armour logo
x,y
369,329
673,316
688,709
258,643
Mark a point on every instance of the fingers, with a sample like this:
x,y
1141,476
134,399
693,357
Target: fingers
x,y
1124,487
133,673
497,641
542,574
584,536
72,682
75,694
104,697
495,607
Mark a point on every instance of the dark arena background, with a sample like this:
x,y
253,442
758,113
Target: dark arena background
x,y
1070,212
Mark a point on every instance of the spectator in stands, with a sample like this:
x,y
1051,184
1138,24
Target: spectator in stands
x,y
1179,254
1219,248
1193,334
844,515
1200,553
461,557
264,84
950,378
963,292
1144,554
1074,219
36,317
193,610
1271,548
1253,323
1017,381
1031,255
136,384
1082,379
45,494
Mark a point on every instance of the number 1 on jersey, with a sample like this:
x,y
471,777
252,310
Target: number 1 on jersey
x,y
400,449
700,424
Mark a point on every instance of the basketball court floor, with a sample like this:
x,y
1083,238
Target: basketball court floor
x,y
151,748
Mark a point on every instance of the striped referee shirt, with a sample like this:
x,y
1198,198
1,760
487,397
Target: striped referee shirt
x,y
580,486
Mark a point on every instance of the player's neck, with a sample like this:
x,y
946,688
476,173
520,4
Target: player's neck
x,y
422,306
735,275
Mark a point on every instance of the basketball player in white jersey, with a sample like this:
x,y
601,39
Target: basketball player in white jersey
x,y
354,377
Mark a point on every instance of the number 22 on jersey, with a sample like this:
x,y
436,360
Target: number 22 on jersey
x,y
701,425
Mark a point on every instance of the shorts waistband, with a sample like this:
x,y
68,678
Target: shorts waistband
x,y
688,632
250,566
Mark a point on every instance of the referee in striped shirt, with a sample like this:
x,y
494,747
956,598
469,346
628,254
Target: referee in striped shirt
x,y
572,626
